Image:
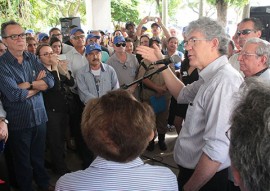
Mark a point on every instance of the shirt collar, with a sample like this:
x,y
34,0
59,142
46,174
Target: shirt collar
x,y
102,67
209,71
100,162
13,59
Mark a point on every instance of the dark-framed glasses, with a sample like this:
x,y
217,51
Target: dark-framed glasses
x,y
47,54
228,133
55,35
245,32
192,41
16,36
120,44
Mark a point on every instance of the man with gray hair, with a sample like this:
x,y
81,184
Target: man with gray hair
x,y
202,149
249,135
254,58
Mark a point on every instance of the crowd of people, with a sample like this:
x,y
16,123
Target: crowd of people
x,y
216,95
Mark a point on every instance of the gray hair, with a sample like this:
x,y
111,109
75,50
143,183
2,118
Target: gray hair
x,y
250,136
210,29
263,48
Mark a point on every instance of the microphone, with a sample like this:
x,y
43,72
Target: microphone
x,y
167,61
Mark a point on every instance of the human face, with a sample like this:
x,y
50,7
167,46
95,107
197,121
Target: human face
x,y
131,30
251,34
199,50
144,41
45,54
3,49
15,45
78,39
172,45
250,62
57,33
56,47
32,46
92,40
156,30
173,32
94,59
129,47
120,47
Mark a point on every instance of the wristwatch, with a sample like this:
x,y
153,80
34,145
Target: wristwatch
x,y
4,120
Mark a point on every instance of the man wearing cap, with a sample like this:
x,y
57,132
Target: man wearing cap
x,y
131,31
43,38
97,39
125,64
95,79
56,32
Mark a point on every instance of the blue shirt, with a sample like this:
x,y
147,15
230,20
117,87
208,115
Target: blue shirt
x,y
22,112
108,175
87,84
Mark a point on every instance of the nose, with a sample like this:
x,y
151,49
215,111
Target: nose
x,y
240,57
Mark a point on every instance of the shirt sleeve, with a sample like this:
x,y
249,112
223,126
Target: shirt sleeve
x,y
115,82
48,79
2,111
83,89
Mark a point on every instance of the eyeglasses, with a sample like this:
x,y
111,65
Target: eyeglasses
x,y
192,41
47,54
246,55
78,37
124,66
120,44
245,32
55,35
228,134
16,36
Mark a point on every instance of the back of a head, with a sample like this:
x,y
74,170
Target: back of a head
x,y
250,135
117,127
210,29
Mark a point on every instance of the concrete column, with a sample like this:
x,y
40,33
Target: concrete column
x,y
98,14
165,12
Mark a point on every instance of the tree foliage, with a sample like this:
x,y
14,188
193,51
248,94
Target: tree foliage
x,y
36,14
124,10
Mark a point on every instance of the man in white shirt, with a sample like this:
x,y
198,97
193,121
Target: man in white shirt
x,y
201,150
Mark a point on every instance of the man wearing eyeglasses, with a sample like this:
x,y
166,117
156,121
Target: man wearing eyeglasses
x,y
125,64
56,32
23,78
246,29
254,58
201,150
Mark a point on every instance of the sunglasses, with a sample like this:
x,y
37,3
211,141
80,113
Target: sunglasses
x,y
120,44
245,32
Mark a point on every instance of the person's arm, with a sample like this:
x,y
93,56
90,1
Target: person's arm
x,y
83,87
161,90
173,84
114,79
204,171
140,25
3,125
164,29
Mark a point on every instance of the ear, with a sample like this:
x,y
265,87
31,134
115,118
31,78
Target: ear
x,y
263,60
215,43
5,42
236,176
259,34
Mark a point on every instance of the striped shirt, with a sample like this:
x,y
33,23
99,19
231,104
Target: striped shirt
x,y
211,101
22,112
109,175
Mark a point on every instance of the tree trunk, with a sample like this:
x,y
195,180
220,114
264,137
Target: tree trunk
x,y
222,7
201,9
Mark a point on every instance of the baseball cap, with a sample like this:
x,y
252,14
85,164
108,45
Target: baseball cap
x,y
154,24
118,39
29,31
41,36
76,29
91,35
91,47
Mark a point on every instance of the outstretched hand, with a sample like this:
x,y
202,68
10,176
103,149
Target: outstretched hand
x,y
152,54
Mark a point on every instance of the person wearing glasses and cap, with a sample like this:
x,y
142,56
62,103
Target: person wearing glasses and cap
x,y
43,38
125,64
23,79
246,29
201,149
